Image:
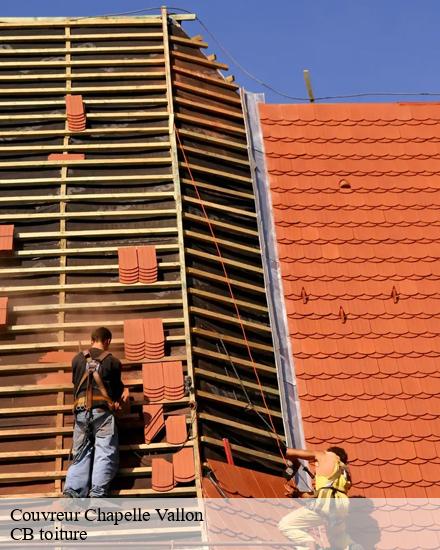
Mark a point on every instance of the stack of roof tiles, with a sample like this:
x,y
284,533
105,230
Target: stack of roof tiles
x,y
6,238
3,311
144,339
356,198
137,264
166,474
76,117
163,381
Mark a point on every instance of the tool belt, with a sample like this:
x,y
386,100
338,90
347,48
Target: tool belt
x,y
89,401
98,402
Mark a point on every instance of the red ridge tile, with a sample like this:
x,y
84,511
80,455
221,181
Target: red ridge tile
x,y
154,421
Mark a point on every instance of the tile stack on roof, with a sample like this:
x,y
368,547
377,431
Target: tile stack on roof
x,y
6,238
154,421
355,191
162,475
183,464
154,338
3,311
174,388
66,156
147,264
76,116
134,339
163,381
128,265
175,426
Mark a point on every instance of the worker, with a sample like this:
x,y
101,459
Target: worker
x,y
329,505
98,388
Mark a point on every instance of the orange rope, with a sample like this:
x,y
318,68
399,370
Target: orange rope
x,y
231,292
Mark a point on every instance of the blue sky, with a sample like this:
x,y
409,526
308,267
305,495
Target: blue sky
x,y
350,46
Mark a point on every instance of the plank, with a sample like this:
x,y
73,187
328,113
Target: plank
x,y
83,62
154,179
239,426
98,232
198,60
209,123
95,250
230,161
84,76
221,190
214,139
85,147
204,77
29,199
237,403
98,131
216,173
203,92
96,305
99,21
218,278
208,107
229,244
83,89
223,225
102,287
107,115
92,215
235,381
227,299
188,41
40,37
52,327
232,339
77,49
232,359
86,162
229,319
225,261
222,207
61,102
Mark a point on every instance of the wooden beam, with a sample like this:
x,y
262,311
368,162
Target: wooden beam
x,y
99,21
222,207
209,123
84,76
84,89
239,426
121,180
80,38
199,60
106,115
209,107
166,212
86,162
217,173
235,360
53,327
87,287
223,225
217,157
229,319
225,261
114,101
197,90
113,131
244,450
208,138
99,233
188,41
85,305
29,199
83,62
204,77
237,403
96,250
229,244
215,335
85,147
235,381
226,299
217,189
218,278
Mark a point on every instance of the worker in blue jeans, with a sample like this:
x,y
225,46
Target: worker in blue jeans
x,y
98,388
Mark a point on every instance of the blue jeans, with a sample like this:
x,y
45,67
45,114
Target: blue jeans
x,y
96,459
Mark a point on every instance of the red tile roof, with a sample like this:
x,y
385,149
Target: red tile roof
x,y
355,193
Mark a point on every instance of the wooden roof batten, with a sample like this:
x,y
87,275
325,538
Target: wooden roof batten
x,y
193,292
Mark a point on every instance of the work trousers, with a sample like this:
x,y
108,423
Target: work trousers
x,y
95,455
295,526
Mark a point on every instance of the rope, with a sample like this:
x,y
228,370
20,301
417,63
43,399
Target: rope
x,y
231,293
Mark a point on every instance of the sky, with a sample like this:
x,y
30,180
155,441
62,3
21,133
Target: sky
x,y
349,46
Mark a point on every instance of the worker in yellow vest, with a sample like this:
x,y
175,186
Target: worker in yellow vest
x,y
329,505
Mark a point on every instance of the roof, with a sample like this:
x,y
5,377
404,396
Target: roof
x,y
355,193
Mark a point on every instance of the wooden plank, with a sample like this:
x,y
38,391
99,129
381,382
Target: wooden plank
x,y
88,305
244,450
218,278
241,427
99,232
225,261
12,477
61,103
216,173
209,123
96,250
222,190
208,138
91,215
53,327
198,60
229,319
107,115
217,157
188,41
232,359
197,90
84,76
85,147
230,244
74,50
86,162
204,77
222,207
99,21
39,37
102,287
113,131
237,403
154,179
223,225
84,89
83,62
208,107
29,199
227,299
226,338
235,381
